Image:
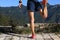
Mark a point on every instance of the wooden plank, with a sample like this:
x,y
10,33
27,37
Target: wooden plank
x,y
46,36
7,38
2,38
15,38
39,37
54,36
42,36
23,37
58,35
20,38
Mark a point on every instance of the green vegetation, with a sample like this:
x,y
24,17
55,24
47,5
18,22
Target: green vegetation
x,y
22,30
25,30
4,20
53,29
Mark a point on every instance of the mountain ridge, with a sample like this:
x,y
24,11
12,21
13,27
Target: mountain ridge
x,y
20,15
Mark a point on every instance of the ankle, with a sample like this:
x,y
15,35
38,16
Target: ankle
x,y
33,33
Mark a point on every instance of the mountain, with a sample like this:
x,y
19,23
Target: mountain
x,y
20,15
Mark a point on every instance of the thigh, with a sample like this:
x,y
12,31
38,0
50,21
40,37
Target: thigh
x,y
31,16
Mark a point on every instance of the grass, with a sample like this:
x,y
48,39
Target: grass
x,y
27,30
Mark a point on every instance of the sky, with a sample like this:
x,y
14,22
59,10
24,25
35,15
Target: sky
x,y
8,3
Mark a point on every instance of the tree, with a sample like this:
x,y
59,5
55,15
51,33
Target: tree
x,y
4,20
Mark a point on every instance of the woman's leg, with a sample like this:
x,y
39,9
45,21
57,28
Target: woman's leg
x,y
43,12
31,16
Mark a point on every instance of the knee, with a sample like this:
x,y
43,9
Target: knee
x,y
32,20
45,16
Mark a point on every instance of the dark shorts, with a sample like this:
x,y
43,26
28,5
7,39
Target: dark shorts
x,y
34,5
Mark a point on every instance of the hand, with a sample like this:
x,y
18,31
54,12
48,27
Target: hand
x,y
20,5
44,2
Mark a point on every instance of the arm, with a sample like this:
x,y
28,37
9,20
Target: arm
x,y
20,3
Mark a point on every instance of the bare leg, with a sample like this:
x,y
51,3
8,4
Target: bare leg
x,y
31,16
43,12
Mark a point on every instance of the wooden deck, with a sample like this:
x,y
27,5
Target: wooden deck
x,y
42,36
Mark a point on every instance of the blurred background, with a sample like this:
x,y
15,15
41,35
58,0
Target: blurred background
x,y
12,15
